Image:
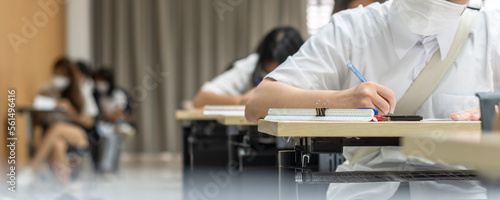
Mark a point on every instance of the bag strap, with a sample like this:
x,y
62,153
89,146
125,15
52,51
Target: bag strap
x,y
433,73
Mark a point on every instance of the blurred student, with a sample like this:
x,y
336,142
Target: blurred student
x,y
235,86
113,121
69,128
341,5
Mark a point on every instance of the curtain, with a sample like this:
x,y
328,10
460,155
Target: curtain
x,y
162,51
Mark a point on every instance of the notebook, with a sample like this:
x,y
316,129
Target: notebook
x,y
224,110
329,115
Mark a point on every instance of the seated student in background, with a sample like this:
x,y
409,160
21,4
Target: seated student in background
x,y
113,121
66,129
341,5
236,85
390,44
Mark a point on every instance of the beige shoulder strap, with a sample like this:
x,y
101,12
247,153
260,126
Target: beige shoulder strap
x,y
433,73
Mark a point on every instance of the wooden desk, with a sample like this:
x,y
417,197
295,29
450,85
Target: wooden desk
x,y
470,149
360,129
193,115
323,136
198,115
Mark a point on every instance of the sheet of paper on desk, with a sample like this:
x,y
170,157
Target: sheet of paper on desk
x,y
437,119
44,103
224,110
330,115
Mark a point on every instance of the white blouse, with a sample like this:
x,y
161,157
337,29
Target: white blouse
x,y
235,81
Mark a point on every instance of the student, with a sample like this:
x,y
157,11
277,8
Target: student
x,y
113,121
236,85
390,44
341,5
67,130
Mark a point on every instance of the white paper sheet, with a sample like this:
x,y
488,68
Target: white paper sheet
x,y
44,103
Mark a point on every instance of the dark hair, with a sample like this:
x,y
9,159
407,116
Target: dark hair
x,y
280,43
72,92
106,75
341,5
84,68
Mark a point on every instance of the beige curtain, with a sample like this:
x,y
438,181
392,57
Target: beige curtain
x,y
162,51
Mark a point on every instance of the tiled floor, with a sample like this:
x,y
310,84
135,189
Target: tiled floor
x,y
140,177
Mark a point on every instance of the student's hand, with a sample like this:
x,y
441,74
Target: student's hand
x,y
246,96
465,115
368,95
472,114
66,105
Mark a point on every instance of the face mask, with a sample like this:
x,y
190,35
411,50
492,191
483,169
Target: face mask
x,y
60,82
102,87
429,17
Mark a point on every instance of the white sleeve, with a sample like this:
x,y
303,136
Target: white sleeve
x,y
316,65
494,40
89,107
495,62
235,81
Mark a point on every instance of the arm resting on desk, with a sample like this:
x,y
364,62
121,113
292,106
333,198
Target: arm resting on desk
x,y
273,94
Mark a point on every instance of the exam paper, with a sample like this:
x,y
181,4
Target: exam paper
x,y
224,110
437,119
44,103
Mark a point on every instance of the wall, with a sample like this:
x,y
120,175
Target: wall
x,y
78,30
32,36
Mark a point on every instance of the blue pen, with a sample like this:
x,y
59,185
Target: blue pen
x,y
356,72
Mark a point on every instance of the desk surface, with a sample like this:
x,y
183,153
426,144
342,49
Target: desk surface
x,y
468,149
194,115
198,115
360,129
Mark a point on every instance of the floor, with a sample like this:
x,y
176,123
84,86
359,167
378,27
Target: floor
x,y
139,177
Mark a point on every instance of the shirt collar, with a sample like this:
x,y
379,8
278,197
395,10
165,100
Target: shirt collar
x,y
445,40
404,39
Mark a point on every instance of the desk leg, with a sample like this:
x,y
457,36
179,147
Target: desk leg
x,y
232,132
29,132
235,187
287,185
188,165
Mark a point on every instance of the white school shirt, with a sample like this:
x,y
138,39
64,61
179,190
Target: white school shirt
x,y
385,51
235,81
117,100
89,106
